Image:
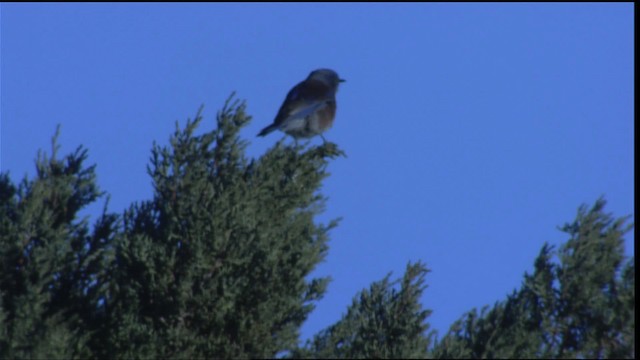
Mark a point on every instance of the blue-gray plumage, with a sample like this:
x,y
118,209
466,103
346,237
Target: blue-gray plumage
x,y
309,108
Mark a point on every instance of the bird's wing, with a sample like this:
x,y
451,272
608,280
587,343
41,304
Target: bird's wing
x,y
302,100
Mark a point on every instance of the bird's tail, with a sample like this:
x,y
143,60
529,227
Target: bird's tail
x,y
267,130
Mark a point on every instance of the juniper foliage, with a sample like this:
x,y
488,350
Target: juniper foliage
x,y
218,263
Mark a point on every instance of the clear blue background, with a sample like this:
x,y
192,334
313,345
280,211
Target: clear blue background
x,y
472,130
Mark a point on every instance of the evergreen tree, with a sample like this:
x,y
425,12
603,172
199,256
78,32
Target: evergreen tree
x,y
49,264
382,322
217,264
580,306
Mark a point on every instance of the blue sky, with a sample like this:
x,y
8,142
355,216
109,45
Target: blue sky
x,y
472,130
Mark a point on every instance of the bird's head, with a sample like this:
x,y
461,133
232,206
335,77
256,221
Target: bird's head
x,y
327,76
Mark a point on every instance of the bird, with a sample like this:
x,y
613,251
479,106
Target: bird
x,y
309,108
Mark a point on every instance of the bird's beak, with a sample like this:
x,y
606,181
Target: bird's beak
x,y
342,80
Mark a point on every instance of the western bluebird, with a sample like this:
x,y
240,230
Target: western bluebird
x,y
309,108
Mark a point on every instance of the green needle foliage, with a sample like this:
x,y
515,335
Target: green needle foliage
x,y
580,306
50,264
218,263
385,321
